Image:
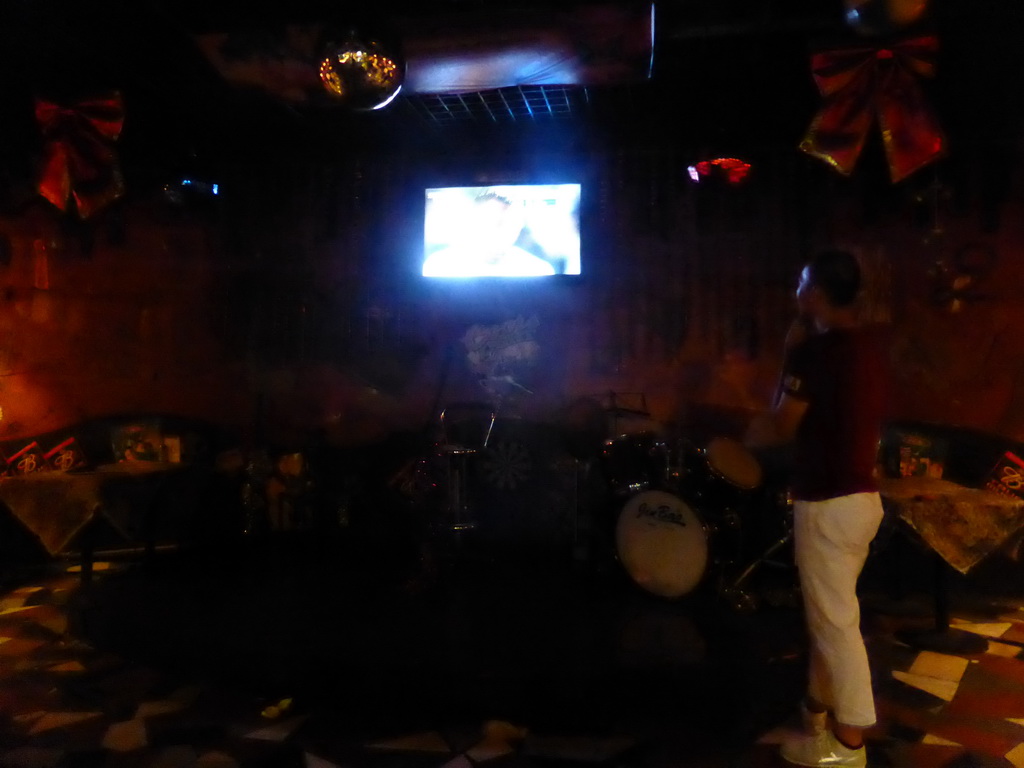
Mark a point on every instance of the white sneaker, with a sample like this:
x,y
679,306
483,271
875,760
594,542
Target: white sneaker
x,y
822,749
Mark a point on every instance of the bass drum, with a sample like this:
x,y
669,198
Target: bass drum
x,y
663,543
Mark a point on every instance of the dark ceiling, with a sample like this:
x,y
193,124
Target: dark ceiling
x,y
726,73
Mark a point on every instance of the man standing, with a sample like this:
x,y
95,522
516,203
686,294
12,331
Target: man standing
x,y
831,403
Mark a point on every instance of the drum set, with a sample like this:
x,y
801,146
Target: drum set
x,y
678,516
689,517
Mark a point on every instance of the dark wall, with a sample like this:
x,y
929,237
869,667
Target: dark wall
x,y
288,303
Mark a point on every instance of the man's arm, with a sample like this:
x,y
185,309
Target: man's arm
x,y
778,426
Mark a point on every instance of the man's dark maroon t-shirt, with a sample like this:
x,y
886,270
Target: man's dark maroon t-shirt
x,y
842,374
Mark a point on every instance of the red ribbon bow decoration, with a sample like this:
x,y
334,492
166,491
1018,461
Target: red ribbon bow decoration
x,y
79,160
860,84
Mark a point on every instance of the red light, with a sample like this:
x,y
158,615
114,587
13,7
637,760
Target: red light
x,y
735,170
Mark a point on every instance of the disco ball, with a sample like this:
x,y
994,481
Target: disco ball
x,y
881,17
361,74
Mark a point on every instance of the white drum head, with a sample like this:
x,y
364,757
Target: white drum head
x,y
662,543
734,462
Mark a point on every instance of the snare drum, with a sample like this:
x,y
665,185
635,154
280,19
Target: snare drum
x,y
726,474
663,543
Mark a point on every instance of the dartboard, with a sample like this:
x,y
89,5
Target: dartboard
x,y
506,464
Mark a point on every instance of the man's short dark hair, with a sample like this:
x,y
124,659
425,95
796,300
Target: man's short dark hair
x,y
837,274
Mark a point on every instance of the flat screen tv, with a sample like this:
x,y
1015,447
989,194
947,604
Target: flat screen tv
x,y
503,231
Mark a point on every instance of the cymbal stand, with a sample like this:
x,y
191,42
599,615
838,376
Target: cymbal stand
x,y
734,593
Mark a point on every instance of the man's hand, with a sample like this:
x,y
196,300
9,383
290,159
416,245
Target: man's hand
x,y
776,427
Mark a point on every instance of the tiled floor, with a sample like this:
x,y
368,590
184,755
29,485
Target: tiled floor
x,y
318,656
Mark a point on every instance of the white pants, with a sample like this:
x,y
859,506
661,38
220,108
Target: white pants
x,y
830,542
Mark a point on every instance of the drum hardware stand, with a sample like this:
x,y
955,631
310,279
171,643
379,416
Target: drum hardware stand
x,y
614,410
741,598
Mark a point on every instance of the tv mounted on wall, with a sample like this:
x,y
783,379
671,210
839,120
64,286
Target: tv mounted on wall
x,y
505,231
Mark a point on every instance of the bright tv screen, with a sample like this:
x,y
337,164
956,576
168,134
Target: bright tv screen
x,y
512,230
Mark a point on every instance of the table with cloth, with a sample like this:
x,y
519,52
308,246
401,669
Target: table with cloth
x,y
68,511
961,527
